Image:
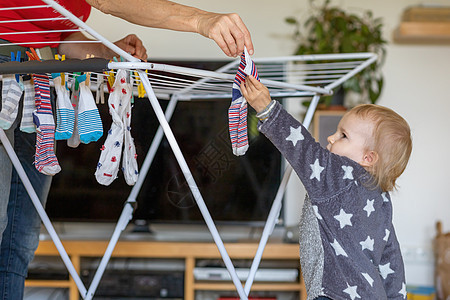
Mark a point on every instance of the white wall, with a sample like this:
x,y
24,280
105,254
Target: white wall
x,y
416,85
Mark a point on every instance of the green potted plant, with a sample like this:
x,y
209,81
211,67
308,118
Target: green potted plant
x,y
333,30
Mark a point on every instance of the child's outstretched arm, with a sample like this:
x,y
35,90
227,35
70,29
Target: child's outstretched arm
x,y
256,94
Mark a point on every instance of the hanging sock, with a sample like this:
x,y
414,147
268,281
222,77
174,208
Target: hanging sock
x,y
237,113
111,151
11,93
129,161
74,141
65,115
45,160
26,123
89,123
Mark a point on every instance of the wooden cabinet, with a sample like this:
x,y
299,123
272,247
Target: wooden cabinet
x,y
189,252
424,25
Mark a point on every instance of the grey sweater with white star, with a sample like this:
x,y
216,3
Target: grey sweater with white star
x,y
348,247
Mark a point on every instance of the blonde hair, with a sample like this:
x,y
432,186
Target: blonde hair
x,y
391,141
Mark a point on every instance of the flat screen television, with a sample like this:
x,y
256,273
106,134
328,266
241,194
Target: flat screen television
x,y
237,190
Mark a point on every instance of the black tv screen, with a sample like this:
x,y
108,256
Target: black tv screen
x,y
236,189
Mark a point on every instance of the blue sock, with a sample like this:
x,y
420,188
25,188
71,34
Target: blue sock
x,y
89,124
65,114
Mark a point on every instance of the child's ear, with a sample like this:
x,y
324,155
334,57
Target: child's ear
x,y
370,158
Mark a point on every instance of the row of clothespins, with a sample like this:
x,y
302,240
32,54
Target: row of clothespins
x,y
77,118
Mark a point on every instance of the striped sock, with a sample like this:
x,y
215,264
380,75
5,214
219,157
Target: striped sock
x,y
65,115
237,113
11,93
89,123
45,160
26,124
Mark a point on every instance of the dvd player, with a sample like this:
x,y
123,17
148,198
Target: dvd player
x,y
221,274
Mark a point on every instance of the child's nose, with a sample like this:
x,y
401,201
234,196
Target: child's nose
x,y
330,140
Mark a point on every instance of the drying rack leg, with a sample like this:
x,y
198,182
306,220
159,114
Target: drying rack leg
x,y
191,183
41,211
276,206
152,150
125,217
127,212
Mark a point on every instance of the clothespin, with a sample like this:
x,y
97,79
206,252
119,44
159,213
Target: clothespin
x,y
63,75
88,74
16,58
76,83
33,55
100,95
110,79
122,60
140,86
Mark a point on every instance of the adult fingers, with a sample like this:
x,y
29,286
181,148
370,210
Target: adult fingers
x,y
230,33
242,35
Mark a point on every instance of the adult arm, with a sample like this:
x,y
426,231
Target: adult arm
x,y
131,44
227,30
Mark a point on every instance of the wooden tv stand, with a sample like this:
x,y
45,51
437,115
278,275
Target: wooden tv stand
x,y
189,252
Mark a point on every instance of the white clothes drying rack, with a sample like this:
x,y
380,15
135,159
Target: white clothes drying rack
x,y
308,76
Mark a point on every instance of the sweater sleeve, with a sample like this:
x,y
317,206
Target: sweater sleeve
x,y
320,171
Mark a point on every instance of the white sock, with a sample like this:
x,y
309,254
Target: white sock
x,y
111,151
11,93
129,162
26,124
74,140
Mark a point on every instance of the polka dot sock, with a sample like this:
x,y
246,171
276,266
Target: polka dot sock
x,y
65,115
45,160
11,93
129,161
111,151
89,123
237,113
26,123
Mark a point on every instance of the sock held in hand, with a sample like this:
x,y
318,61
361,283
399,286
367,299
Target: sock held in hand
x,y
237,113
11,93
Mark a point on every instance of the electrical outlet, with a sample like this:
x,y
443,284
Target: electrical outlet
x,y
419,255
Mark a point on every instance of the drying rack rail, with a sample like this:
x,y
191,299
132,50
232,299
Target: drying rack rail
x,y
291,76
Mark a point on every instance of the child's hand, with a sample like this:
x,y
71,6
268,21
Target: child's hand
x,y
256,94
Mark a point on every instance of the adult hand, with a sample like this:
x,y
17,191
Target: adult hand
x,y
227,30
133,45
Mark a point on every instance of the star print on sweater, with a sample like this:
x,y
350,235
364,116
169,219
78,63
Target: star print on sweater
x,y
295,135
351,291
316,170
348,172
344,219
359,255
369,207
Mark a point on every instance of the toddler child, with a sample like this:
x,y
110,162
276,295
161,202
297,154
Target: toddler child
x,y
348,246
